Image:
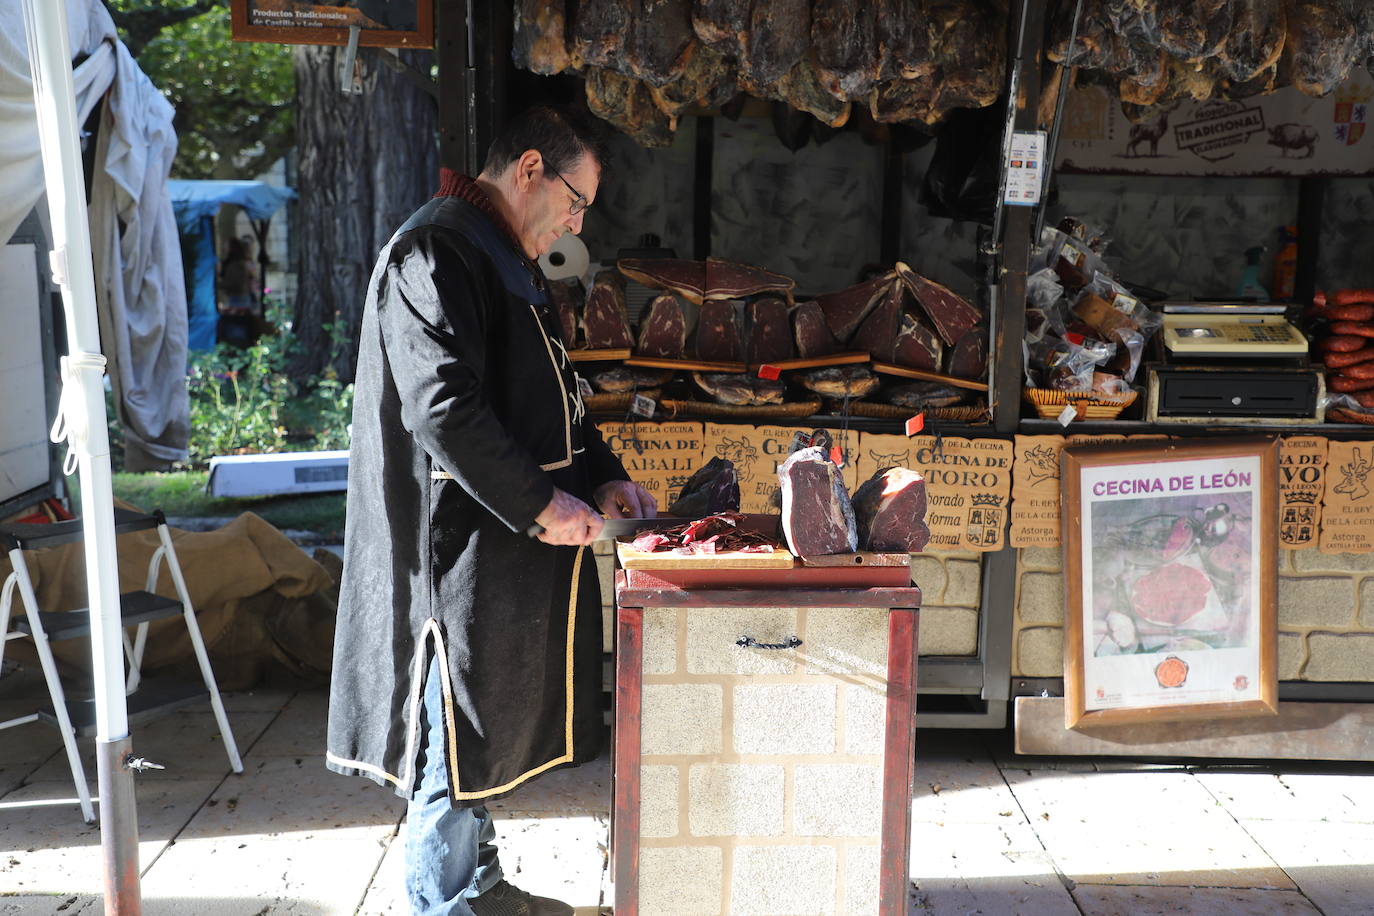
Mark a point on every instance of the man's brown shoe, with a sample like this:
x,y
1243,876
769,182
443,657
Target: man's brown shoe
x,y
508,900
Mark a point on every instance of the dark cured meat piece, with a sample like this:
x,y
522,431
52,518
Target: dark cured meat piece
x,y
969,358
816,515
803,89
659,42
663,330
840,382
538,41
627,379
1192,30
904,50
605,321
625,103
713,488
719,335
685,278
951,314
715,534
890,512
924,395
917,345
730,280
845,46
599,29
878,333
846,310
1321,45
739,389
563,298
709,79
770,331
778,35
721,22
811,331
1256,40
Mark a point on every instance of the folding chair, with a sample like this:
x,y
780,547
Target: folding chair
x,y
138,608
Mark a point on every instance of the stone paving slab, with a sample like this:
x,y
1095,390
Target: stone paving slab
x,y
1141,828
1103,900
299,730
49,904
582,789
1333,863
984,868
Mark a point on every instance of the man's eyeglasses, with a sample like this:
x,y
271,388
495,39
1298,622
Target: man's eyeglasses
x,y
579,203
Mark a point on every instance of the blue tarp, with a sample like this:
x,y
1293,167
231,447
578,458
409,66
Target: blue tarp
x,y
195,204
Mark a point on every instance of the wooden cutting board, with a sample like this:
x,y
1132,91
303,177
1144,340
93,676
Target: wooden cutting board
x,y
630,558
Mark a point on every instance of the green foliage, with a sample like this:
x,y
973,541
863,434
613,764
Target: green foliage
x,y
185,494
242,401
234,100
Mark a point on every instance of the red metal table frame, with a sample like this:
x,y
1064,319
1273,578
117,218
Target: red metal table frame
x,y
858,586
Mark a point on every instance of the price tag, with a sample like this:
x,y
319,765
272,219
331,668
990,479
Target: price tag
x,y
1125,303
1067,415
643,406
584,387
915,424
800,440
837,456
1075,339
1072,254
770,372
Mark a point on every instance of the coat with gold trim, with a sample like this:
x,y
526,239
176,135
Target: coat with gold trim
x,y
466,416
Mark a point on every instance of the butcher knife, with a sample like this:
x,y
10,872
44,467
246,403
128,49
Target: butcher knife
x,y
620,527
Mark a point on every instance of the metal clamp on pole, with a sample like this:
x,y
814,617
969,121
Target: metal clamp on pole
x,y
349,83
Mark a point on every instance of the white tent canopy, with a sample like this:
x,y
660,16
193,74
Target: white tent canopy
x,y
139,284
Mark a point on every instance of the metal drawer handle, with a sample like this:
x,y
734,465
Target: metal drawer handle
x,y
749,642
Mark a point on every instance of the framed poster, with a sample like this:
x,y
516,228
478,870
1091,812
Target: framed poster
x,y
1169,558
383,23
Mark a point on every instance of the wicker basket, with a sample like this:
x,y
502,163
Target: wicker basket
x,y
1091,405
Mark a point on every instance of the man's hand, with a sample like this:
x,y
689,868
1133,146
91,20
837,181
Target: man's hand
x,y
568,521
625,499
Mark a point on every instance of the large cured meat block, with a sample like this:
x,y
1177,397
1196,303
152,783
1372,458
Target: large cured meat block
x,y
890,512
845,46
1192,30
816,515
969,358
721,22
1321,44
626,104
904,51
563,297
538,41
605,321
684,278
708,79
803,89
878,333
811,331
720,337
732,280
599,29
846,310
660,40
778,35
952,315
917,345
740,389
770,331
663,329
713,489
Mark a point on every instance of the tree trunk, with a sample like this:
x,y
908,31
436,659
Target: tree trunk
x,y
365,163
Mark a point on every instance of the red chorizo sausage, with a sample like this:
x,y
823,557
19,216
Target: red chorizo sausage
x,y
1342,360
1361,312
1341,343
1364,398
1360,370
1347,384
1358,328
1349,296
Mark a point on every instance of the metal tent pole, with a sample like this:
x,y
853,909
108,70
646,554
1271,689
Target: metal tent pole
x,y
81,420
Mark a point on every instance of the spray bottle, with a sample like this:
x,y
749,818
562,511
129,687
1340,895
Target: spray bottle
x,y
1285,263
1250,286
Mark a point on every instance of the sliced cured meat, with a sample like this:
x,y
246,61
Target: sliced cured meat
x,y
739,389
951,314
845,46
719,332
660,40
605,321
663,329
924,395
564,298
770,331
840,381
732,280
713,488
878,333
599,29
1341,343
817,517
917,345
685,278
539,39
778,34
625,103
969,358
890,512
811,331
846,310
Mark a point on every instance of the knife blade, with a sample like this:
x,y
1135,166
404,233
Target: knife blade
x,y
620,527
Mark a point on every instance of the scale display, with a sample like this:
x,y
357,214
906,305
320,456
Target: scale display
x,y
1232,335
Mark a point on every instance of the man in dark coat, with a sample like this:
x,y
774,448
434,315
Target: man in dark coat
x,y
467,657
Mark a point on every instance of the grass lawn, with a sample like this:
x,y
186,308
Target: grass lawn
x,y
183,494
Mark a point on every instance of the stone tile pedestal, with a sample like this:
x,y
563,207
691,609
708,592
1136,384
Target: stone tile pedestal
x,y
772,778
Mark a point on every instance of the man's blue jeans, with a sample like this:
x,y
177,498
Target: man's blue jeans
x,y
450,857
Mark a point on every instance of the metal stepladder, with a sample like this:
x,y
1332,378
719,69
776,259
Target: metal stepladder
x,y
138,608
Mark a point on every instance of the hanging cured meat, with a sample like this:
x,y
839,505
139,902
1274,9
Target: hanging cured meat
x,y
811,331
846,310
605,320
721,22
804,90
659,42
538,41
663,329
951,314
1256,40
845,44
708,80
720,335
1321,44
1192,30
625,103
903,43
770,331
599,29
778,35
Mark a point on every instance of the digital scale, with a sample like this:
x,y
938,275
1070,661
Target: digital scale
x,y
1238,361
